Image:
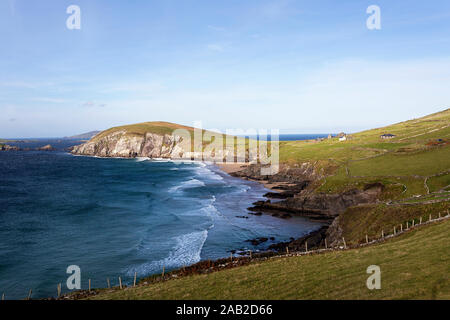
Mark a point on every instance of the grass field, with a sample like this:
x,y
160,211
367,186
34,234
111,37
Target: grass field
x,y
415,265
419,152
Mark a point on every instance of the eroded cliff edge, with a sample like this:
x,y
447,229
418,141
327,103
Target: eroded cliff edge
x,y
122,144
297,196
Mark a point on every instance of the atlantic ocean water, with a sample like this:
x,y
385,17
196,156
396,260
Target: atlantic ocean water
x,y
115,217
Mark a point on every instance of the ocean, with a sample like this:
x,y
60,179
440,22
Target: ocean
x,y
115,217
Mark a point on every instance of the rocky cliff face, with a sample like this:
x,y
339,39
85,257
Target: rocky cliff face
x,y
122,144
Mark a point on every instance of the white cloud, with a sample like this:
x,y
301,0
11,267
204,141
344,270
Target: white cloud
x,y
50,100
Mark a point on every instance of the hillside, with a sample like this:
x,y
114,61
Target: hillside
x,y
413,266
84,136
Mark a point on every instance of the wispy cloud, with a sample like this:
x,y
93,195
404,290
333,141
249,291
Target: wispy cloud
x,y
50,100
24,84
92,104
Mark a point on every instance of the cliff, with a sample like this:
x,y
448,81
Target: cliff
x,y
155,140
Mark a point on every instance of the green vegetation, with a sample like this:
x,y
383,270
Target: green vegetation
x,y
413,266
372,220
417,158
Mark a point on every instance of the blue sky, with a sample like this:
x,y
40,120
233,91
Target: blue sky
x,y
298,66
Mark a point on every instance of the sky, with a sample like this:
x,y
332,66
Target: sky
x,y
297,66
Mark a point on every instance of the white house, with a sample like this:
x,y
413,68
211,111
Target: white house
x,y
343,138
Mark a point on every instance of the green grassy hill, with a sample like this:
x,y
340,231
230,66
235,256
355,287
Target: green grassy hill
x,y
413,266
415,162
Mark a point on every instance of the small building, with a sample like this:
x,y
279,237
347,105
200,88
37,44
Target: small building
x,y
343,138
387,136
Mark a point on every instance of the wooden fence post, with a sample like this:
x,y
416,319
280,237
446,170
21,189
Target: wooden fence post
x,y
430,217
407,225
306,246
231,257
287,250
164,268
420,220
251,255
382,234
29,294
3,296
59,289
439,215
326,245
395,232
401,227
345,245
120,282
109,283
89,284
134,282
367,238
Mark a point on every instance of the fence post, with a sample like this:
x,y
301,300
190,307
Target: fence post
x,y
164,269
120,282
29,294
231,257
3,296
89,285
326,245
407,225
420,220
59,289
439,215
382,234
287,250
367,238
134,282
345,245
395,232
306,246
401,227
109,283
430,217
251,254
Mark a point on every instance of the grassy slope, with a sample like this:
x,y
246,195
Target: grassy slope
x,y
413,266
406,160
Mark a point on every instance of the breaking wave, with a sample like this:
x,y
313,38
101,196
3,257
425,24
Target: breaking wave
x,y
187,250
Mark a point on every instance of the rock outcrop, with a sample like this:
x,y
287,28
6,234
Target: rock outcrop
x,y
46,148
5,147
122,144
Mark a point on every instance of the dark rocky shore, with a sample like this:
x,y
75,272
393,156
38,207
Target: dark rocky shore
x,y
295,196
